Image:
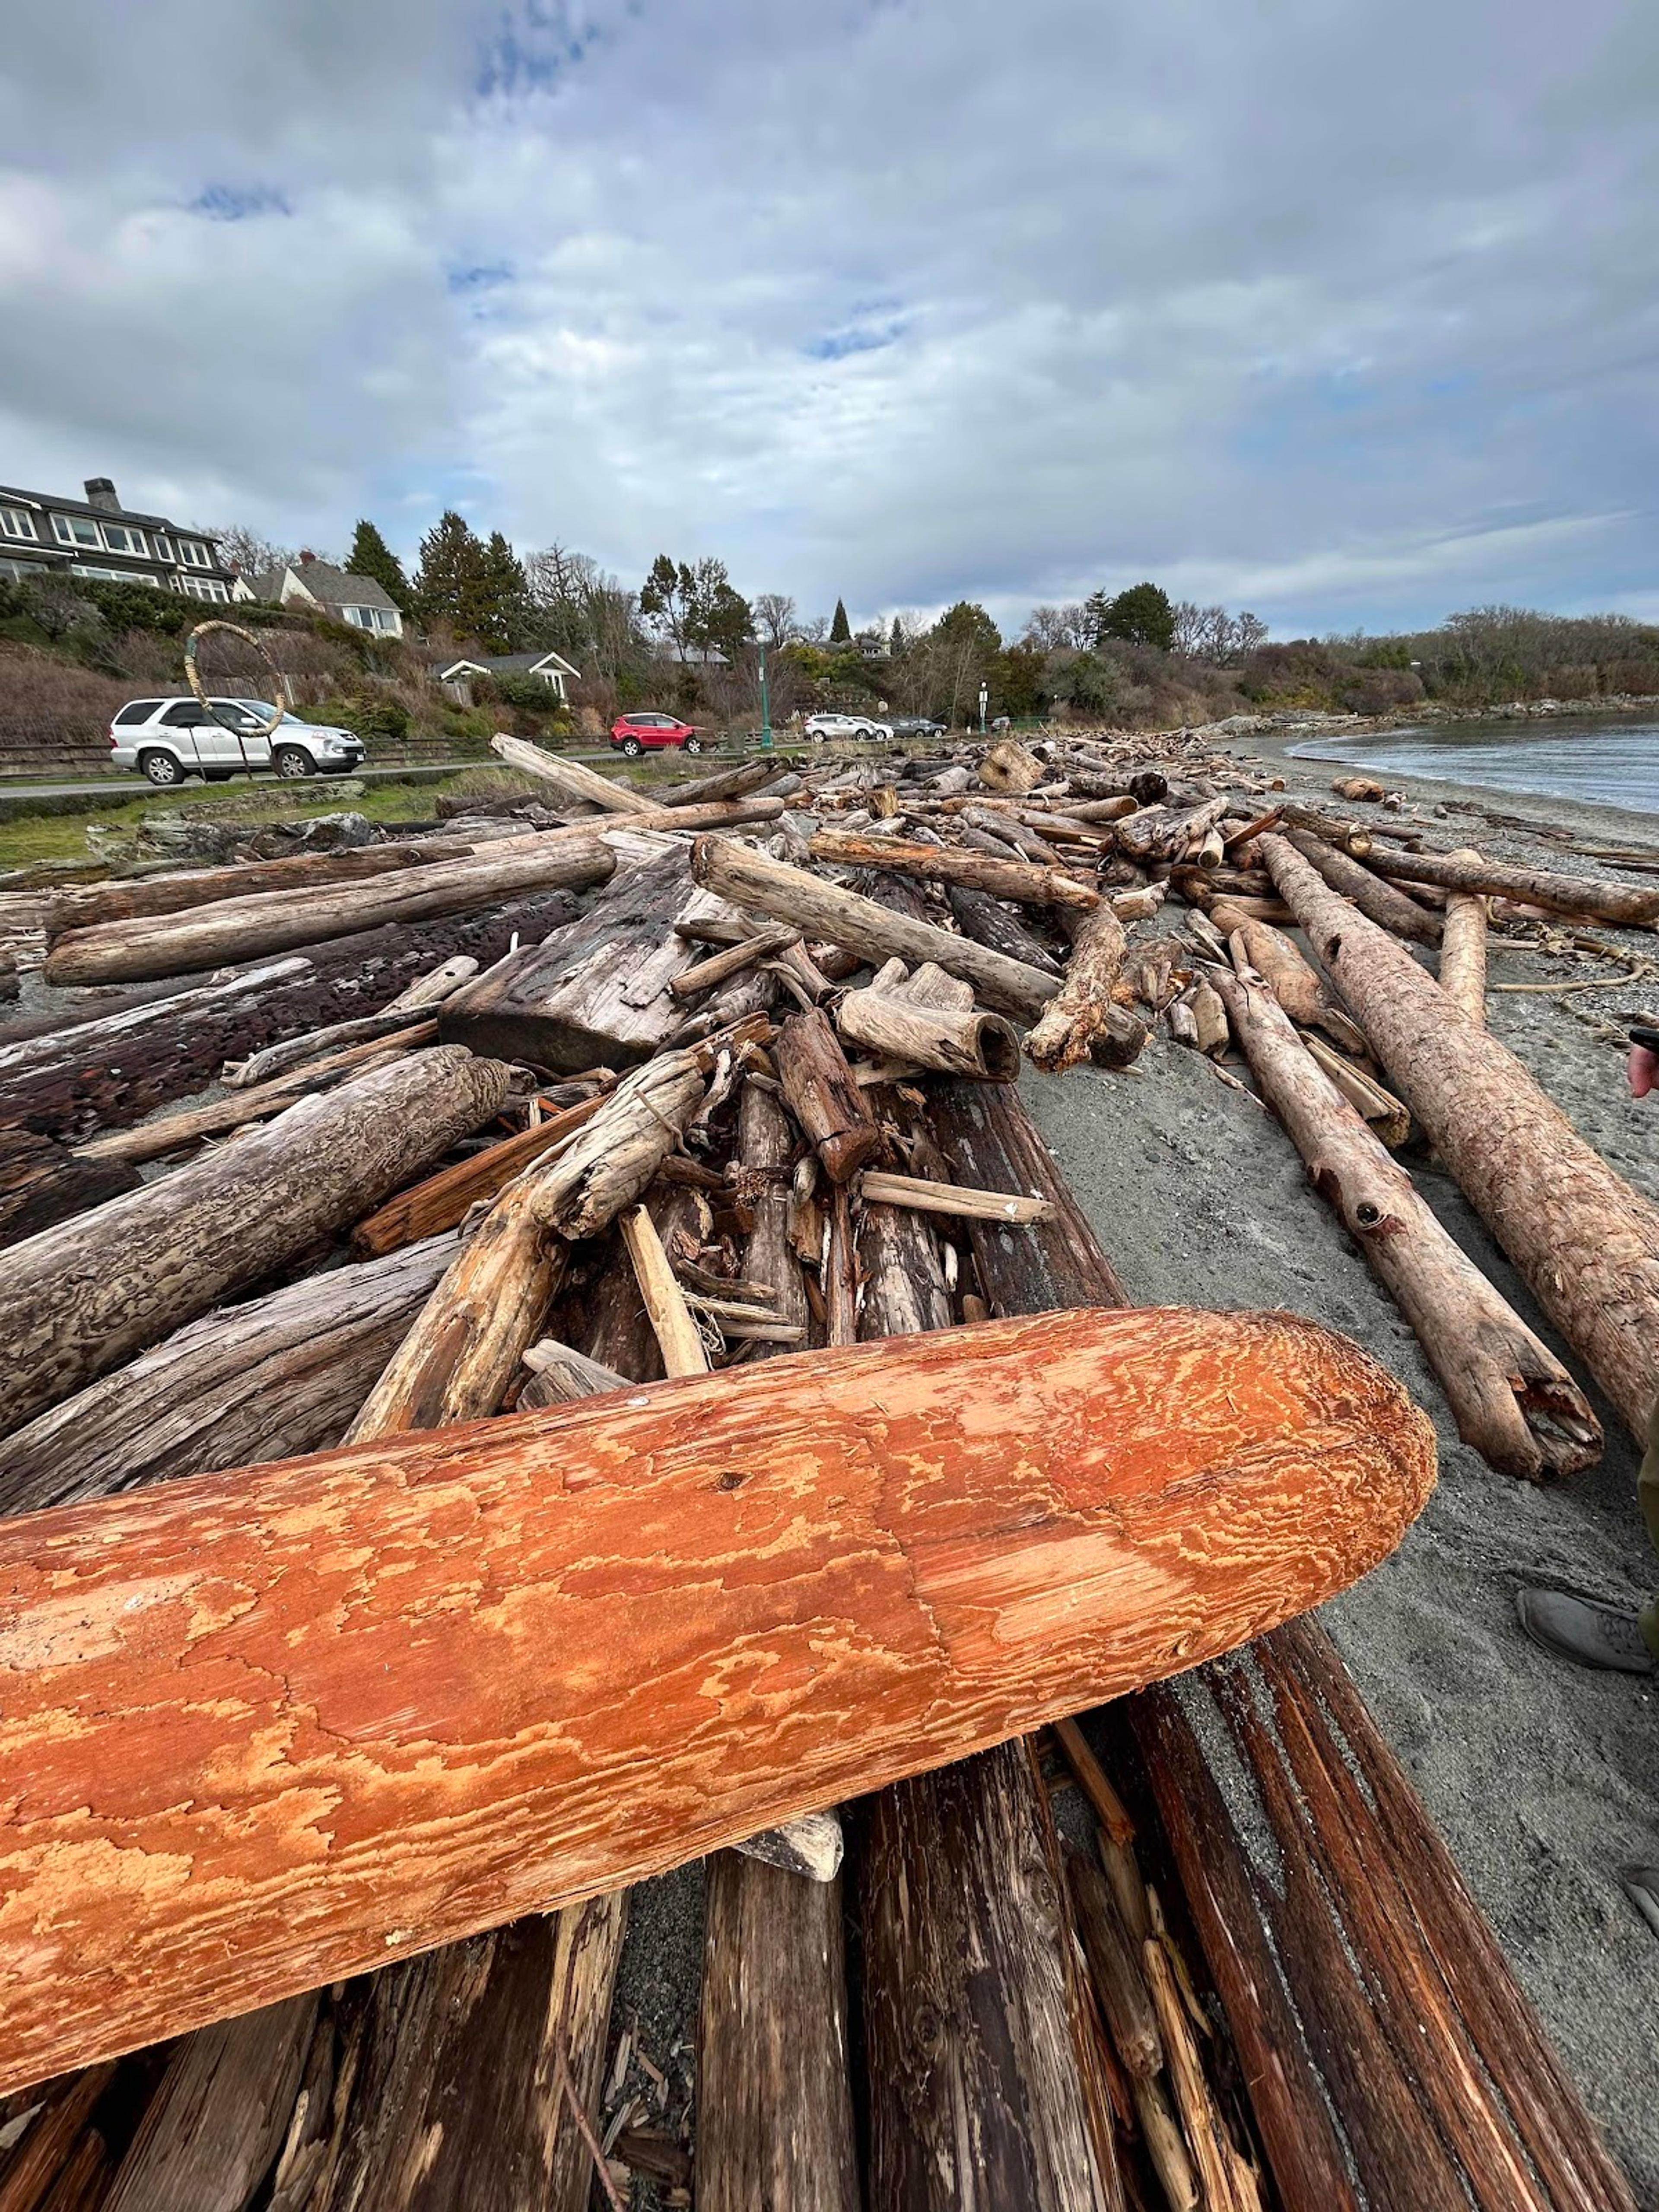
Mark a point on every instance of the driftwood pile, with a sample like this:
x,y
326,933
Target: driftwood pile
x,y
529,1111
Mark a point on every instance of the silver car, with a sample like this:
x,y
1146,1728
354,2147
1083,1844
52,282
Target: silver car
x,y
169,740
820,726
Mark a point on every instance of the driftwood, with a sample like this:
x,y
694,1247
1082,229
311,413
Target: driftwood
x,y
920,1194
1379,902
173,894
277,921
558,1374
1083,1014
1371,1100
1009,767
1019,880
1513,1400
596,994
571,779
988,922
1585,1241
42,1181
1165,833
1463,955
429,990
444,1200
967,1043
80,1298
679,1340
1297,987
174,1133
824,1097
489,1758
1359,1980
112,1069
280,1376
764,945
725,783
762,885
1589,898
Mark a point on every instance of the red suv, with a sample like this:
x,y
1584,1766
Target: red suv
x,y
634,734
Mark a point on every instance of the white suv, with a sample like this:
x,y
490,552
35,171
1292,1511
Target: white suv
x,y
820,726
168,739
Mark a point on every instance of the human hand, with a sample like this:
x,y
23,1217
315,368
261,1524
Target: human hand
x,y
1641,1071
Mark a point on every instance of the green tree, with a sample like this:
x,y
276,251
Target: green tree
x,y
696,607
370,556
727,622
451,583
1140,615
506,618
895,640
841,630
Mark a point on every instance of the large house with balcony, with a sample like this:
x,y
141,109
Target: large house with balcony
x,y
98,538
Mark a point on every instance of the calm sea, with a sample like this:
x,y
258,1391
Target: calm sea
x,y
1608,763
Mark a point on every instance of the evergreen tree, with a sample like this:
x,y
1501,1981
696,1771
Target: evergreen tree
x,y
451,583
370,556
1140,615
506,618
895,640
841,630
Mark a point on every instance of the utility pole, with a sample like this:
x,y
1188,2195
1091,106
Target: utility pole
x,y
766,704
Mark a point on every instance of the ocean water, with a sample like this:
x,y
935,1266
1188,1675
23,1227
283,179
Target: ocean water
x,y
1609,763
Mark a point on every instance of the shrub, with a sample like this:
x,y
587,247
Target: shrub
x,y
377,715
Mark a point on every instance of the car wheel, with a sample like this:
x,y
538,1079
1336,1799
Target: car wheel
x,y
632,748
694,744
291,764
162,769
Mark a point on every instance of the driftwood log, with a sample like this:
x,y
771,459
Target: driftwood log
x,y
1513,1400
762,885
945,1041
280,1376
1379,902
42,1181
444,1200
425,992
278,921
1585,1241
725,783
824,1097
1019,880
80,1298
988,922
1083,1016
478,1760
112,1069
572,779
1589,898
1297,987
1463,955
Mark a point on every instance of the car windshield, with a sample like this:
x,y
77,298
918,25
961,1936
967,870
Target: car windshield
x,y
263,709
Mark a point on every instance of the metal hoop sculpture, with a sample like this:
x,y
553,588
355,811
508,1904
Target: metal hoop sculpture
x,y
278,691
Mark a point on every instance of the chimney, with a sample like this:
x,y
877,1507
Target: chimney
x,y
100,492
307,557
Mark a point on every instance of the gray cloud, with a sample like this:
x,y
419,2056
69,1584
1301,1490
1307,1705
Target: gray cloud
x,y
1346,316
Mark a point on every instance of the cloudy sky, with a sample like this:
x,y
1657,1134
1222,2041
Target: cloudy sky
x,y
1342,311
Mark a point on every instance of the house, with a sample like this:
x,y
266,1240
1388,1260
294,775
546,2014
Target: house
x,y
336,593
550,668
691,656
97,537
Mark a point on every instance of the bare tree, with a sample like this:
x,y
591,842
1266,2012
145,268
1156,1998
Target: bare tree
x,y
1060,630
248,553
775,621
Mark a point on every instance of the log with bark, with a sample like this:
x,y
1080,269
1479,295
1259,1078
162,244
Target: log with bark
x,y
1587,1243
444,1200
1588,898
280,1376
1379,902
80,1297
762,885
1463,955
1032,1488
114,1068
1019,880
1083,1016
278,921
1512,1400
824,1097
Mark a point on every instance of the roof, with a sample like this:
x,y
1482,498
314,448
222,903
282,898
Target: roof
x,y
506,664
339,587
11,494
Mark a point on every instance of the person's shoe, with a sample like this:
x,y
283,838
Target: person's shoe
x,y
1585,1630
1642,1888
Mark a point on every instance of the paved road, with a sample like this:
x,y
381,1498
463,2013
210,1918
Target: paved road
x,y
135,786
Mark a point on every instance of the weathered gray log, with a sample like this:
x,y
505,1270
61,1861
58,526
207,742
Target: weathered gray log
x,y
762,885
112,1068
1512,1399
571,779
211,2134
989,922
279,1376
1379,902
1590,898
979,1046
80,1298
428,990
42,1181
595,994
945,864
1584,1240
725,783
278,921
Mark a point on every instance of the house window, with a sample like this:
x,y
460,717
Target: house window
x,y
22,572
202,588
193,554
77,529
163,546
17,522
118,539
385,619
359,617
94,574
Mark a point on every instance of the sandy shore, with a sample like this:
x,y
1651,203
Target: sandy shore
x,y
1544,1780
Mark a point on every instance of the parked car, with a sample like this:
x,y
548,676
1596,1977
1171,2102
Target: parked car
x,y
635,734
915,725
169,740
820,726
